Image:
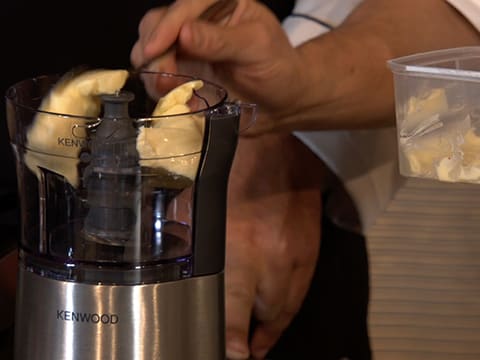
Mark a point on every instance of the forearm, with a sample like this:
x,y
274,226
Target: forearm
x,y
271,164
348,84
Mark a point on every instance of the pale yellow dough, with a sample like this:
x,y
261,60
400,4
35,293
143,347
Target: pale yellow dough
x,y
471,149
442,142
421,109
422,151
54,142
174,143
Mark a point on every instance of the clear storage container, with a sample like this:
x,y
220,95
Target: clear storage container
x,y
437,100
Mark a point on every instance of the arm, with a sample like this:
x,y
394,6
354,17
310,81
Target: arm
x,y
338,80
273,238
358,84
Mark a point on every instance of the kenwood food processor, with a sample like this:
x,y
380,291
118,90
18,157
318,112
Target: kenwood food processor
x,y
123,219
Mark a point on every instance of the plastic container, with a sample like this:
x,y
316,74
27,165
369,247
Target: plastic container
x,y
437,101
109,203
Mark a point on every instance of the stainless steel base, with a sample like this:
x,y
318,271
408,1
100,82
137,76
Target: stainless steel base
x,y
179,320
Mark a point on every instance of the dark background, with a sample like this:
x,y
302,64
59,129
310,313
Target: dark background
x,y
50,37
45,37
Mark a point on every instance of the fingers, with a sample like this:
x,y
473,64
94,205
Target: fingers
x,y
147,27
164,33
238,308
159,28
274,282
241,278
227,39
212,42
267,333
290,268
272,241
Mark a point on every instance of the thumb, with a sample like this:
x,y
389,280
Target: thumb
x,y
213,43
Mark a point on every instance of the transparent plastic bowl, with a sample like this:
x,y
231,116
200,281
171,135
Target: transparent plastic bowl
x,y
437,100
120,216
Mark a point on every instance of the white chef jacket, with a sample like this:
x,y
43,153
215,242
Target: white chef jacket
x,y
422,235
365,160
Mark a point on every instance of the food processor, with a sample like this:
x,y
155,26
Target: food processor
x,y
123,216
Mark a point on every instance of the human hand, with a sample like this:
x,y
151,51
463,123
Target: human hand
x,y
273,238
248,51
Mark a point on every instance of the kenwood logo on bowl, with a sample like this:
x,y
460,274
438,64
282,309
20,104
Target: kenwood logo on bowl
x,y
94,318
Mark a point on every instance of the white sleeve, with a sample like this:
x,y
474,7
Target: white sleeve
x,y
470,9
311,18
370,176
